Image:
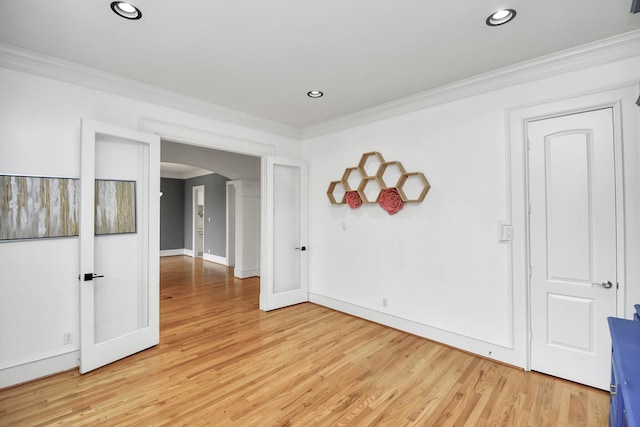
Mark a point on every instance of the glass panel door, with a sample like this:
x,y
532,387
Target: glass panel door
x,y
286,234
119,280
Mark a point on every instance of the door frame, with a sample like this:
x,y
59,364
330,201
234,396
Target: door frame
x,y
231,223
194,213
216,141
518,189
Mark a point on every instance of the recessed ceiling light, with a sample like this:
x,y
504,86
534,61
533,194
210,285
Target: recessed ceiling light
x,y
501,17
314,94
126,10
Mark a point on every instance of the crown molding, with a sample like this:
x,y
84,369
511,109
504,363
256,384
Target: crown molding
x,y
30,62
597,53
588,55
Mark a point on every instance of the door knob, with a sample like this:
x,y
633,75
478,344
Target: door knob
x,y
606,285
301,248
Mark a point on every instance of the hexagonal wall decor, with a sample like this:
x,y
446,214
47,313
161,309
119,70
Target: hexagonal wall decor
x,y
336,193
370,164
351,178
369,189
373,175
413,187
390,173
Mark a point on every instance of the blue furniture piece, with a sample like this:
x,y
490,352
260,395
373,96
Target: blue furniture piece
x,y
625,373
636,316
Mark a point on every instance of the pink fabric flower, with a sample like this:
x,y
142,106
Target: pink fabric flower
x,y
390,200
353,199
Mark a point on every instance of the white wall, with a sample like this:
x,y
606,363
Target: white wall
x,y
40,135
439,264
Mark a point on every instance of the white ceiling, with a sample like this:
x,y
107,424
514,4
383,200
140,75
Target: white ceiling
x,y
180,171
261,57
202,161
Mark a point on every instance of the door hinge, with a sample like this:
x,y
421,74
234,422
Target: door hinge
x,y
528,144
530,271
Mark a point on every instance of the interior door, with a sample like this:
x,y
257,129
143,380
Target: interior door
x,y
284,268
572,190
119,243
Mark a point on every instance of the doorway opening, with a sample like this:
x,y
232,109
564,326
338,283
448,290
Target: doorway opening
x,y
222,209
198,221
281,183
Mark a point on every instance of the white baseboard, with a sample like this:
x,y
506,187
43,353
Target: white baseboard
x,y
48,365
215,258
189,252
173,252
243,274
469,344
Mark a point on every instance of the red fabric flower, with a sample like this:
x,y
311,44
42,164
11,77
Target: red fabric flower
x,y
390,200
353,199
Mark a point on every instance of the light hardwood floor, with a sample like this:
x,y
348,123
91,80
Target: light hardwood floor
x,y
222,362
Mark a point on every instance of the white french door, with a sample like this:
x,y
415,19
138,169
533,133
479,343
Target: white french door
x,y
285,230
119,243
573,245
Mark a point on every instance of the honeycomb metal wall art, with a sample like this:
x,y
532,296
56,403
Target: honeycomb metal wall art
x,y
375,180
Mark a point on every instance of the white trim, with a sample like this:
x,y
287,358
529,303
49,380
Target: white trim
x,y
597,53
28,370
27,61
463,342
215,258
591,54
174,252
230,235
188,252
204,138
243,274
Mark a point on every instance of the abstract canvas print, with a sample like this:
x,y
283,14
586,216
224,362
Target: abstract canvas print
x,y
115,207
37,207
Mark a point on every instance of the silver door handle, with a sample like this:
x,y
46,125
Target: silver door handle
x,y
606,285
301,248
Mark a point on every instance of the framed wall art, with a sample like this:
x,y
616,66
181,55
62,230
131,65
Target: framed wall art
x,y
115,207
38,207
34,207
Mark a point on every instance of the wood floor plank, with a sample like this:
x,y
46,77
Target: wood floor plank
x,y
222,362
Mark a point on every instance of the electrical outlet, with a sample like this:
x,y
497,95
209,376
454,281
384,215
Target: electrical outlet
x,y
68,338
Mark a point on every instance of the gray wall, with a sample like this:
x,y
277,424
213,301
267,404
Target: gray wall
x,y
215,213
171,214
